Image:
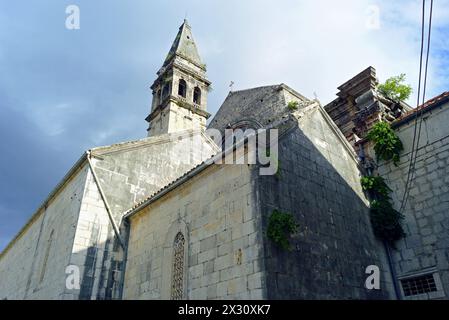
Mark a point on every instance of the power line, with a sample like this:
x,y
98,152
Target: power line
x,y
417,134
423,100
417,105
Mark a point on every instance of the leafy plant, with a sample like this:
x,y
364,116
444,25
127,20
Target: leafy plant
x,y
394,88
376,186
387,144
280,226
386,221
293,105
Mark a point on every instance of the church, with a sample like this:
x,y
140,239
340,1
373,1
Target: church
x,y
155,218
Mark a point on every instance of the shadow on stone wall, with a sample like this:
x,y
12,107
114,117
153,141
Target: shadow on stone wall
x,y
334,243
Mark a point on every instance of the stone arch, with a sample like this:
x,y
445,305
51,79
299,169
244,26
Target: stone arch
x,y
182,88
177,227
165,91
243,125
197,95
158,98
248,123
178,266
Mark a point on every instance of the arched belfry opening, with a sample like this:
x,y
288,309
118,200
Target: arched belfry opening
x,y
165,91
182,81
197,96
182,88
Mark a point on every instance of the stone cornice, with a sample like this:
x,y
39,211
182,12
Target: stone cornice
x,y
180,103
183,68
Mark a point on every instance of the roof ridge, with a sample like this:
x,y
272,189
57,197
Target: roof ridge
x,y
434,101
254,88
166,137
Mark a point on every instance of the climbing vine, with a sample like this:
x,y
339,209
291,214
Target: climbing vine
x,y
386,221
293,105
376,186
280,226
387,144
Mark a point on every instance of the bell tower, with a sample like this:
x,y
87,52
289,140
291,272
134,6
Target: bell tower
x,y
180,89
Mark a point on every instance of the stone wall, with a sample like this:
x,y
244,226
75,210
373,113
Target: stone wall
x,y
256,108
425,249
319,183
127,173
80,228
34,266
131,171
215,211
90,248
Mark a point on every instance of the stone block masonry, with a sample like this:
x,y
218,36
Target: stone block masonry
x,y
319,183
34,266
425,249
222,257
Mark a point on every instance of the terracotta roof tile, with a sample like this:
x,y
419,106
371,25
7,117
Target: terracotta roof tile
x,y
429,103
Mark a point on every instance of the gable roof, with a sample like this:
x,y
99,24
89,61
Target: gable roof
x,y
162,138
314,105
98,152
184,46
258,105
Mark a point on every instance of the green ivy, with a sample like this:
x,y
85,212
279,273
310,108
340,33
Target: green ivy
x,y
376,186
394,89
387,144
280,226
386,221
293,105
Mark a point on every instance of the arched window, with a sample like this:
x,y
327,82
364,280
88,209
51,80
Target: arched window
x,y
177,282
165,91
182,88
158,97
197,95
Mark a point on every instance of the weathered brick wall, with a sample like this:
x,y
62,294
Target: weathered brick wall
x,y
319,183
426,246
34,267
215,210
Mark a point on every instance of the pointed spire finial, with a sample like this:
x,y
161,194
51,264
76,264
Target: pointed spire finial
x,y
184,46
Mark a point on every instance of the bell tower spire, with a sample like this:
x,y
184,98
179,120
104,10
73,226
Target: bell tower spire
x,y
180,89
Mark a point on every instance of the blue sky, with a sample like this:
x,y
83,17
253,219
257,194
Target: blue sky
x,y
63,91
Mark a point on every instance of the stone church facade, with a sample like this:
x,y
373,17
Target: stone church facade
x,y
156,219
